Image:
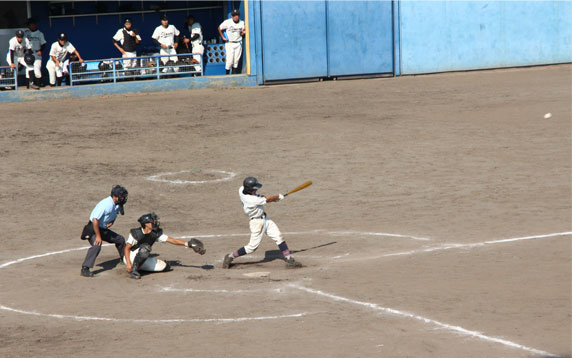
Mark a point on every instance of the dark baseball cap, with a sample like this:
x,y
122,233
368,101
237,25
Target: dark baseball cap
x,y
235,12
19,33
165,17
127,21
62,36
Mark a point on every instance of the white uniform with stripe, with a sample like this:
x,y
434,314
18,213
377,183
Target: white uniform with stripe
x,y
19,49
233,47
59,52
152,264
260,224
36,39
166,36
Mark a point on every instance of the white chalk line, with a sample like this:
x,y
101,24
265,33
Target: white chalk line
x,y
89,318
470,246
194,290
178,320
318,232
439,324
159,177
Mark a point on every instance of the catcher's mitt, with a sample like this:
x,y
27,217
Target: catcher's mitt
x,y
197,246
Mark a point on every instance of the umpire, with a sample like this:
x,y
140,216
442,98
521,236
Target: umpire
x,y
97,229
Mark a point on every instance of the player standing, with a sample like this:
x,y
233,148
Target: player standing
x,y
97,230
233,45
18,47
128,38
167,37
196,39
260,223
140,241
58,53
38,42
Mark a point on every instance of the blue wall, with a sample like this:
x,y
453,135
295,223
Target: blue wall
x,y
464,35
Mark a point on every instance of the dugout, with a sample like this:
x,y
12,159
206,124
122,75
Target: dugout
x,y
90,25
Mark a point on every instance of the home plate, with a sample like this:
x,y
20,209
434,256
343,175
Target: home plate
x,y
257,274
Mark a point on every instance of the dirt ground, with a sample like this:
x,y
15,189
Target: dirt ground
x,y
436,160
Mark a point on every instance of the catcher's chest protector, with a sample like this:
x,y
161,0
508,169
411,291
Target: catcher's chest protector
x,y
142,238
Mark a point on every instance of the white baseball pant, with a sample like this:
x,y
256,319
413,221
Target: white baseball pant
x,y
164,60
259,227
38,66
20,60
152,264
55,71
198,49
129,63
233,52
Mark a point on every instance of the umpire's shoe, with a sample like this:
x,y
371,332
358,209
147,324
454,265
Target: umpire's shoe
x,y
85,272
227,261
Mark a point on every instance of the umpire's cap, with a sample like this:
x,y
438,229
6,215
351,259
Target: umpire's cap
x,y
19,33
62,36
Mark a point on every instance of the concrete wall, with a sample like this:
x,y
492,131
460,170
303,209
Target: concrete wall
x,y
437,36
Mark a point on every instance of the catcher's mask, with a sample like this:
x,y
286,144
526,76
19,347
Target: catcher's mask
x,y
150,218
121,193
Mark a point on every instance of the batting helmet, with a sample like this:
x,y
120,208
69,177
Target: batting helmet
x,y
29,58
20,33
250,184
149,218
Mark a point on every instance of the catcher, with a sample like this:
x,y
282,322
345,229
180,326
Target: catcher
x,y
140,241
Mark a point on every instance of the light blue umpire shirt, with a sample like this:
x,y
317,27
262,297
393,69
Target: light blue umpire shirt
x,y
105,212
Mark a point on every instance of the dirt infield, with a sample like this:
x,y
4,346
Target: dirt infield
x,y
418,184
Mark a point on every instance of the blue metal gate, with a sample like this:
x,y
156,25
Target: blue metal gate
x,y
307,39
360,37
293,39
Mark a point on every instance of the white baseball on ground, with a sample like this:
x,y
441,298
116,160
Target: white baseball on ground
x,y
547,115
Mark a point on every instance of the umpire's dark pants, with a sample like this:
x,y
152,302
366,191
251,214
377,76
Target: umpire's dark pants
x,y
107,236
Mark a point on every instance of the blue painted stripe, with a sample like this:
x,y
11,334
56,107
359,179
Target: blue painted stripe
x,y
128,87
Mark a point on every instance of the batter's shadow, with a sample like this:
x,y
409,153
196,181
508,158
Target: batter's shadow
x,y
272,255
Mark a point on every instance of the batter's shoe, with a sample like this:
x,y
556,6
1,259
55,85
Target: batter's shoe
x,y
227,261
291,263
85,272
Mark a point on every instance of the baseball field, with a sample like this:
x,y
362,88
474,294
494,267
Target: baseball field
x,y
438,223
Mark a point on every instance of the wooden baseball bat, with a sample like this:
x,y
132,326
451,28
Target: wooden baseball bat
x,y
300,187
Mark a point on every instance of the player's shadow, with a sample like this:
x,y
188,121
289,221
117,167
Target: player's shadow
x,y
106,265
272,255
177,263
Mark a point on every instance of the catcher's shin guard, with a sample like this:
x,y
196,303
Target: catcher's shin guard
x,y
142,255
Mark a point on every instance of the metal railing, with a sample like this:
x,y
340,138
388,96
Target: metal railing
x,y
130,68
8,78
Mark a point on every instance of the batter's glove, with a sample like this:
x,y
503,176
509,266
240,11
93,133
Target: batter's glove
x,y
197,246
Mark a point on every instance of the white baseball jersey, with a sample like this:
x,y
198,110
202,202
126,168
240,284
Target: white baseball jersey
x,y
19,47
119,36
36,38
252,204
131,240
196,29
60,52
165,36
233,29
